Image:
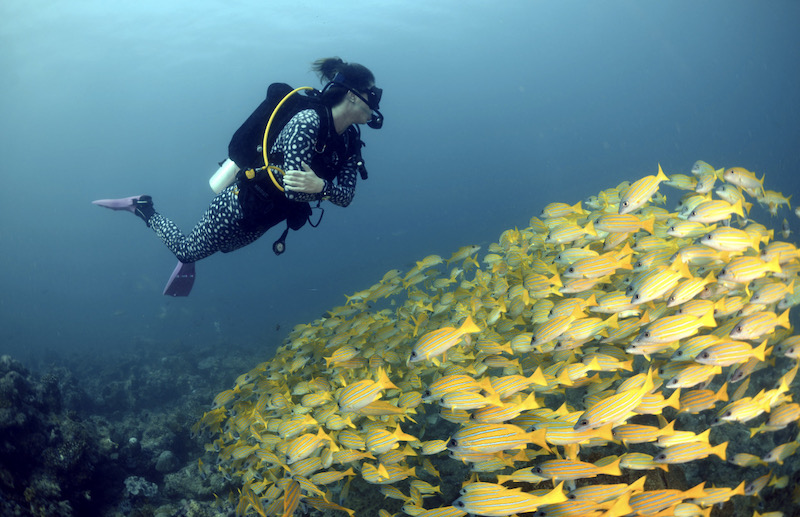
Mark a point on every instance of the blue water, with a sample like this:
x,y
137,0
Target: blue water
x,y
493,109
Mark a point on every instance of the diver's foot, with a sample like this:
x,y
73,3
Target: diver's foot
x,y
142,206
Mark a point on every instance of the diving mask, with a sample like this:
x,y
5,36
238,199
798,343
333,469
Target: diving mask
x,y
372,99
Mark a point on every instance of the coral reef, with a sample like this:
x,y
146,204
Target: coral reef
x,y
110,436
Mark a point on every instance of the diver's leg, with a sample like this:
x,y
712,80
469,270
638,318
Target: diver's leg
x,y
218,230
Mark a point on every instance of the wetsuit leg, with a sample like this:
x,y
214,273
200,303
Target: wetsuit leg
x,y
218,230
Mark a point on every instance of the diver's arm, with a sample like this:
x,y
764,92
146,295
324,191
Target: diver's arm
x,y
297,140
305,182
343,191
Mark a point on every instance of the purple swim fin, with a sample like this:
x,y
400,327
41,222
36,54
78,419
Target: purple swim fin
x,y
181,281
123,203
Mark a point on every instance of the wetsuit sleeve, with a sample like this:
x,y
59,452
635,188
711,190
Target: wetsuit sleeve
x,y
296,141
342,192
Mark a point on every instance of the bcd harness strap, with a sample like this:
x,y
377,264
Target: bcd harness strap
x,y
279,246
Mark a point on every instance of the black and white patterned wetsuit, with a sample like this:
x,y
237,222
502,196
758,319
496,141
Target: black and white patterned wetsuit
x,y
222,226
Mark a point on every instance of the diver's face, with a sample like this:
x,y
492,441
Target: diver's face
x,y
364,111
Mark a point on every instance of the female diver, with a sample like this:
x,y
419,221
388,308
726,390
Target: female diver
x,y
319,148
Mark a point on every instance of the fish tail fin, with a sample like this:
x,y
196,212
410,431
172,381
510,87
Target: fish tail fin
x,y
468,326
760,350
774,264
661,176
783,320
589,229
539,437
384,380
400,435
530,402
707,319
563,378
696,491
621,506
638,485
719,450
737,208
647,224
722,394
703,437
612,468
668,430
674,400
537,377
605,432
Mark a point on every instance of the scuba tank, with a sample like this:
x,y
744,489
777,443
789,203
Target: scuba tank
x,y
225,175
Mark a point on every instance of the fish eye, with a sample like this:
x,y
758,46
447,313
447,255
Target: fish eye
x,y
452,443
569,270
636,296
703,355
661,457
413,354
581,423
624,203
738,328
459,504
537,470
647,334
427,393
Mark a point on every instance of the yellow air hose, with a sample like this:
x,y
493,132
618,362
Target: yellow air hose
x,y
264,150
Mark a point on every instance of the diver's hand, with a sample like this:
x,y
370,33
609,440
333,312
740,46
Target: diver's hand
x,y
303,181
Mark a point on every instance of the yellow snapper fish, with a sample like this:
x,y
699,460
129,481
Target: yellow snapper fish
x,y
361,393
551,382
743,178
705,182
673,328
559,470
700,167
640,192
614,408
744,269
484,437
726,238
714,211
503,501
733,194
437,342
681,182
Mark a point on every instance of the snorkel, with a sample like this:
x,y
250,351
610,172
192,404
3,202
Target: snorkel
x,y
372,100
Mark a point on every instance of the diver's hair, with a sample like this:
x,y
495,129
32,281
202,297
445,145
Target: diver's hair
x,y
357,77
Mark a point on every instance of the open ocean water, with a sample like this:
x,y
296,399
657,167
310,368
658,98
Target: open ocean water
x,y
493,110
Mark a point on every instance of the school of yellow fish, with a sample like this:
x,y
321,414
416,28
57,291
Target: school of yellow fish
x,y
609,337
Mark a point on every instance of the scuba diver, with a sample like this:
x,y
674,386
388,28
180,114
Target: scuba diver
x,y
293,150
